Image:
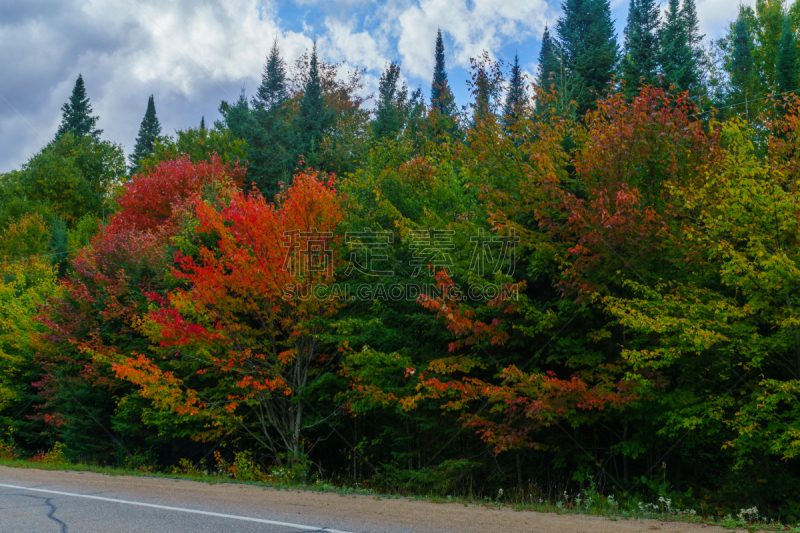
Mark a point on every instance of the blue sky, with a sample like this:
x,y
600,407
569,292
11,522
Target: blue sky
x,y
191,54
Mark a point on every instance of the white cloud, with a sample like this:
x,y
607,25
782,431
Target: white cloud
x,y
358,48
124,54
716,15
473,26
216,46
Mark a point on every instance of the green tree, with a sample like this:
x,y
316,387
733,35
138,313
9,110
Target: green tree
x,y
314,118
768,30
199,144
273,90
392,101
786,75
551,76
742,67
76,115
640,65
485,90
680,47
589,49
73,176
236,116
270,135
550,69
516,99
441,96
25,287
149,133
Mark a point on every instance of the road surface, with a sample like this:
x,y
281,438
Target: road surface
x,y
40,501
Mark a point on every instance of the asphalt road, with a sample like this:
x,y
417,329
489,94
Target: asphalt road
x,y
39,501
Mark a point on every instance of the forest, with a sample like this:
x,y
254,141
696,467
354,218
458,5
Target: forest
x,y
586,279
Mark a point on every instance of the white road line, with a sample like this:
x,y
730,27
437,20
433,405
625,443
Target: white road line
x,y
180,509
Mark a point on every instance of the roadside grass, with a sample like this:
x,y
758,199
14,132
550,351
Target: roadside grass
x,y
588,502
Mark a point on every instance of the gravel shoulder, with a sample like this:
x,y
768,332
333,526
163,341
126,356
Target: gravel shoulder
x,y
352,513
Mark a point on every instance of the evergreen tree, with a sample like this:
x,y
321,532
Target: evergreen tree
x,y
272,91
441,97
76,115
391,103
149,133
588,47
515,97
550,75
550,69
484,96
237,116
742,66
691,26
203,123
640,65
315,118
767,30
786,75
680,47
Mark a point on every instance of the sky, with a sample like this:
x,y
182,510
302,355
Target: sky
x,y
192,54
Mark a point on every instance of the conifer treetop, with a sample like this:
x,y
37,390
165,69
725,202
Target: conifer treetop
x,y
76,115
273,89
441,96
149,133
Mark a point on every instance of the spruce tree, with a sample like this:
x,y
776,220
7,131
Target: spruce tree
x,y
238,116
315,118
549,71
677,59
203,123
441,97
640,65
391,102
272,92
515,97
786,75
76,115
691,25
589,49
149,133
550,75
742,65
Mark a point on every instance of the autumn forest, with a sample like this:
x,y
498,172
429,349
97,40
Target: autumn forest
x,y
584,281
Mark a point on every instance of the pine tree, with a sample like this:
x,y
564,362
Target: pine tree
x,y
515,97
149,133
391,103
589,49
441,97
315,118
272,92
742,65
640,65
786,75
76,115
203,123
